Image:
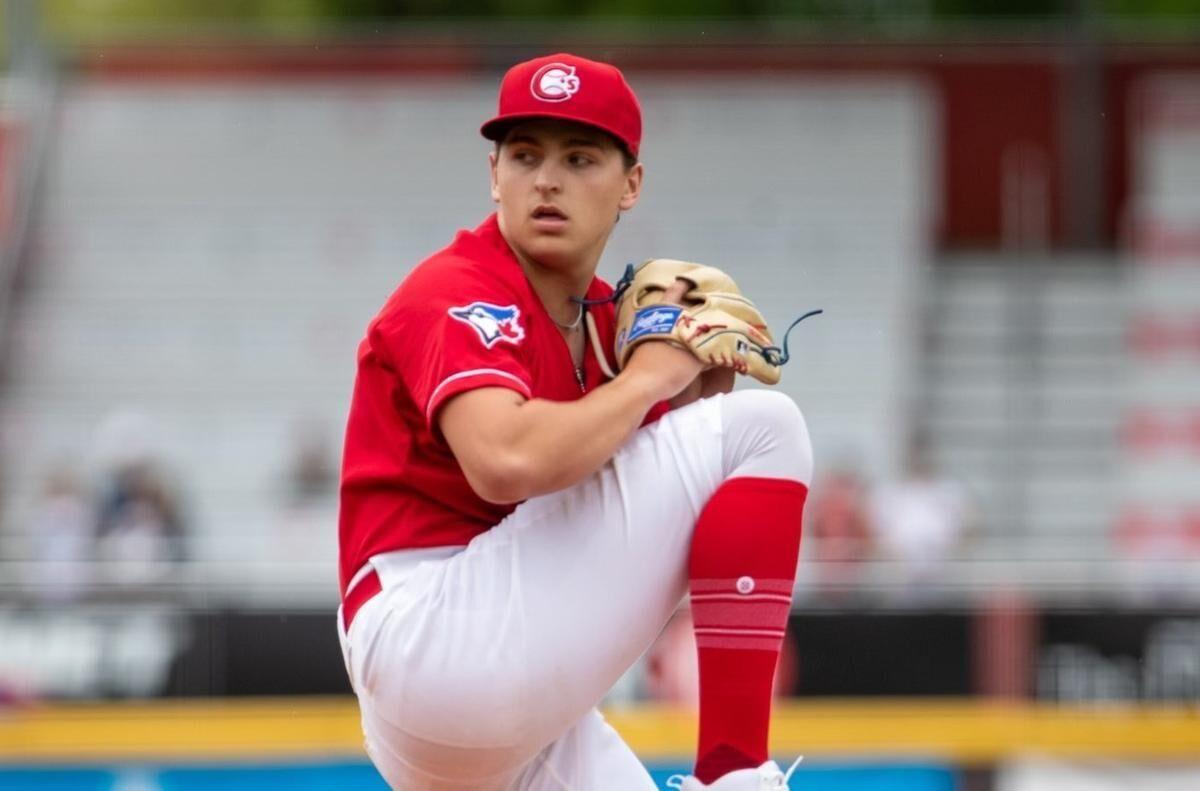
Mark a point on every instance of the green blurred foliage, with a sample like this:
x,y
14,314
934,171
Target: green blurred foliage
x,y
1151,8
98,17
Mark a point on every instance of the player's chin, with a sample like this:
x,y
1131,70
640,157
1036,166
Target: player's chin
x,y
549,235
549,247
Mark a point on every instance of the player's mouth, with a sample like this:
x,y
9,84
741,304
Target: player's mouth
x,y
549,218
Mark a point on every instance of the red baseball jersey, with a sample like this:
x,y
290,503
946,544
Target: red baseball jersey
x,y
466,317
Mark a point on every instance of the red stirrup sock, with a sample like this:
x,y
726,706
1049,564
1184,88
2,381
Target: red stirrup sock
x,y
742,568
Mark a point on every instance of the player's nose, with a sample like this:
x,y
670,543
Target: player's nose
x,y
547,179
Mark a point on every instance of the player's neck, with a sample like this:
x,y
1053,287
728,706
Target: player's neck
x,y
555,287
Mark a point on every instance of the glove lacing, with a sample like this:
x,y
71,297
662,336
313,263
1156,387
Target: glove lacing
x,y
777,356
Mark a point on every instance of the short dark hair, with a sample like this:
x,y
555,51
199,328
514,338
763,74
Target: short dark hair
x,y
629,158
627,155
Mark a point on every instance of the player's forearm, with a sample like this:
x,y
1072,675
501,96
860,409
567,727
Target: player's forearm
x,y
555,444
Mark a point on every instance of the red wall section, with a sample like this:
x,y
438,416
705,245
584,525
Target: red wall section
x,y
989,109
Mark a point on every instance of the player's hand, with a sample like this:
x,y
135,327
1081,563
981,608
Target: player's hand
x,y
709,381
670,368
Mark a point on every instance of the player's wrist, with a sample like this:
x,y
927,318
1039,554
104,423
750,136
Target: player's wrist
x,y
663,369
648,386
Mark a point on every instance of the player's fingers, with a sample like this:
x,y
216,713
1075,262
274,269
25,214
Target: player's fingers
x,y
676,291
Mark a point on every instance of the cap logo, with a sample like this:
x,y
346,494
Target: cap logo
x,y
554,82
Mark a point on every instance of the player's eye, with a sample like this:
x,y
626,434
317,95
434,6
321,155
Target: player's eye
x,y
524,156
580,160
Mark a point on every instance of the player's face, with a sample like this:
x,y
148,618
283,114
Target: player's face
x,y
560,187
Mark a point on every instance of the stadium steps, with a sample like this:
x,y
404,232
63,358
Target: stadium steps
x,y
1021,394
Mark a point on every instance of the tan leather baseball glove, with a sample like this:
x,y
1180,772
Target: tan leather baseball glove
x,y
718,324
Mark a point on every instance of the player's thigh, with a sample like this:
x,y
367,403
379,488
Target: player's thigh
x,y
591,756
407,761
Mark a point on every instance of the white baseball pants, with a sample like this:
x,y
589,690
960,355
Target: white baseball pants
x,y
480,667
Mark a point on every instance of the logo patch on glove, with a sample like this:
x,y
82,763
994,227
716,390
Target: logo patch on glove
x,y
653,320
493,322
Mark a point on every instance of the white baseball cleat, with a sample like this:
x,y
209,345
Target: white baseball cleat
x,y
768,777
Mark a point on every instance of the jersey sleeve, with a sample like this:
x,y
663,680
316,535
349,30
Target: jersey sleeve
x,y
444,340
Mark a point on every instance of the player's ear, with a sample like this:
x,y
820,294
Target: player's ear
x,y
492,169
633,187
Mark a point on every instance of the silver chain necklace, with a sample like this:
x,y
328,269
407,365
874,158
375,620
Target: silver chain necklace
x,y
574,325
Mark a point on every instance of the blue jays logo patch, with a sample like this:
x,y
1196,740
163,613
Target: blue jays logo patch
x,y
492,322
654,320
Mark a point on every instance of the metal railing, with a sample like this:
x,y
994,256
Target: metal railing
x,y
873,584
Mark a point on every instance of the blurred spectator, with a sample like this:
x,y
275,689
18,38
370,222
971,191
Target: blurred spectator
x,y
61,534
672,668
312,477
140,522
921,521
839,526
309,497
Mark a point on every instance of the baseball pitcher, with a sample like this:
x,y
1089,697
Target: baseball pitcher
x,y
539,466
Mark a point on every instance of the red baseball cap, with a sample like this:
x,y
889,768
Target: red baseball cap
x,y
573,89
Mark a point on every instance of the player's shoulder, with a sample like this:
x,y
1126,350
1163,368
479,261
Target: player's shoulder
x,y
451,274
472,268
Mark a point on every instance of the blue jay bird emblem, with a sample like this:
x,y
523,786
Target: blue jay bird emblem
x,y
493,322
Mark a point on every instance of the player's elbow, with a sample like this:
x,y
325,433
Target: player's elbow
x,y
504,479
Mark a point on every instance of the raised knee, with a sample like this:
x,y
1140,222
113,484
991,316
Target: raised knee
x,y
771,406
775,420
786,420
774,410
